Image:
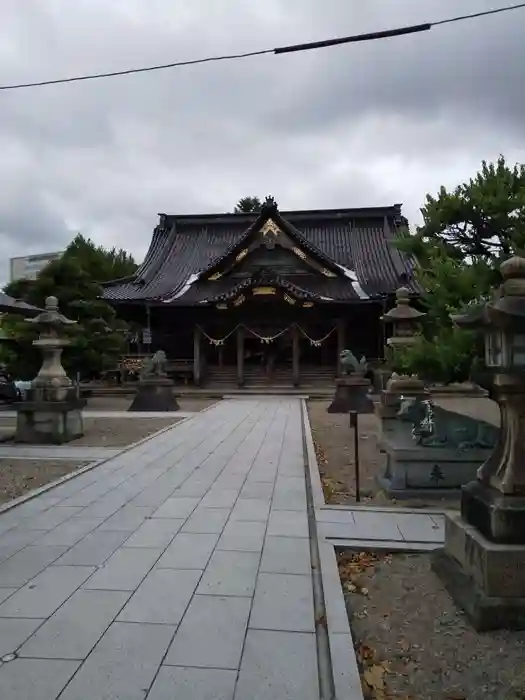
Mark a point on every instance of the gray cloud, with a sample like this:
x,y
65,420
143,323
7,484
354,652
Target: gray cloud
x,y
350,126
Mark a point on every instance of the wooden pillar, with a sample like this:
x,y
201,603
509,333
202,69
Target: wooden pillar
x,y
196,355
295,356
240,356
341,342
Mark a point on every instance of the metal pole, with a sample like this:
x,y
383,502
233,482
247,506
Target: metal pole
x,y
354,423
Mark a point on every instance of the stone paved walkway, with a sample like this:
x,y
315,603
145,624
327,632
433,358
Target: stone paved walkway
x,y
178,569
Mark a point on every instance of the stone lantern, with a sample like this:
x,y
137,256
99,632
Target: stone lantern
x,y
52,412
483,562
404,319
405,322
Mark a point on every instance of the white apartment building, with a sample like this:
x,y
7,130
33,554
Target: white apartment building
x,y
28,266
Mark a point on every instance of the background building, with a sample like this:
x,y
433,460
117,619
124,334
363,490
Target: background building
x,y
28,266
267,296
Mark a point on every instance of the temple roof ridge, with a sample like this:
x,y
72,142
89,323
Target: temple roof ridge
x,y
355,245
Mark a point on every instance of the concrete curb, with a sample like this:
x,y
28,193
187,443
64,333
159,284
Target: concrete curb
x,y
386,509
385,545
347,680
67,477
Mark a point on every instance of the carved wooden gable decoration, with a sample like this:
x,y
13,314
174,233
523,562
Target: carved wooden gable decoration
x,y
271,233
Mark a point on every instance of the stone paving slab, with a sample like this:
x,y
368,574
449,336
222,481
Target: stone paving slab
x,y
400,529
178,568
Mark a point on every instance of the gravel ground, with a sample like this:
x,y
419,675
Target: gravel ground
x,y
119,432
18,476
334,442
412,641
106,432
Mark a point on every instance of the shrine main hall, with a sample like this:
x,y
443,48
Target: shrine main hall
x,y
271,296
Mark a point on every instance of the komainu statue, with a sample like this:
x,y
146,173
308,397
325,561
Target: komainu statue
x,y
351,365
155,366
155,388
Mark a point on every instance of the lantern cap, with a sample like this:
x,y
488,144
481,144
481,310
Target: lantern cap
x,y
402,311
513,268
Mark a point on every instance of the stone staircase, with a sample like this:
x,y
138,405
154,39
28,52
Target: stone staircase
x,y
256,378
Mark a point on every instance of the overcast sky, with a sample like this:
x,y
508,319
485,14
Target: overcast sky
x,y
362,125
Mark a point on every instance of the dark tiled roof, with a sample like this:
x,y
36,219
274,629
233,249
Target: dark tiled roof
x,y
10,305
183,247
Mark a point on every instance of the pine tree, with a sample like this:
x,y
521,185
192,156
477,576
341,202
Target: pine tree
x,y
99,338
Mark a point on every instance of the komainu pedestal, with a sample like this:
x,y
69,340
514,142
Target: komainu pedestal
x,y
352,389
155,394
351,394
155,389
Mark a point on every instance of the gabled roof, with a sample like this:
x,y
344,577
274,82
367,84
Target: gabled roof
x,y
353,246
10,305
270,222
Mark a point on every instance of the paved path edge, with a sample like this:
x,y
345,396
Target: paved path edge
x,y
67,477
347,680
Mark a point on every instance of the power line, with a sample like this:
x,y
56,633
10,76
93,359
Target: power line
x,y
371,36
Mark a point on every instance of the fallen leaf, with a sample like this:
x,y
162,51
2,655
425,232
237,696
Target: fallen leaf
x,y
365,652
374,676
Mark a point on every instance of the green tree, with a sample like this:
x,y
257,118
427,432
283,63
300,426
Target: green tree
x,y
246,205
99,337
481,220
465,235
100,263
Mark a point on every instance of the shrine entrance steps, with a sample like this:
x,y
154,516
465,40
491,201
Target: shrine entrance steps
x,y
256,377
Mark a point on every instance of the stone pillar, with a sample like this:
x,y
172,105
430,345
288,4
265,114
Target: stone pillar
x,y
240,356
341,343
295,356
197,356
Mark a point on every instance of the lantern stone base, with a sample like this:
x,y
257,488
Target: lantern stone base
x,y
351,394
390,402
49,422
155,394
499,517
485,579
416,471
398,386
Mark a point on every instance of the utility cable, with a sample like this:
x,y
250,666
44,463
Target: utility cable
x,y
371,36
